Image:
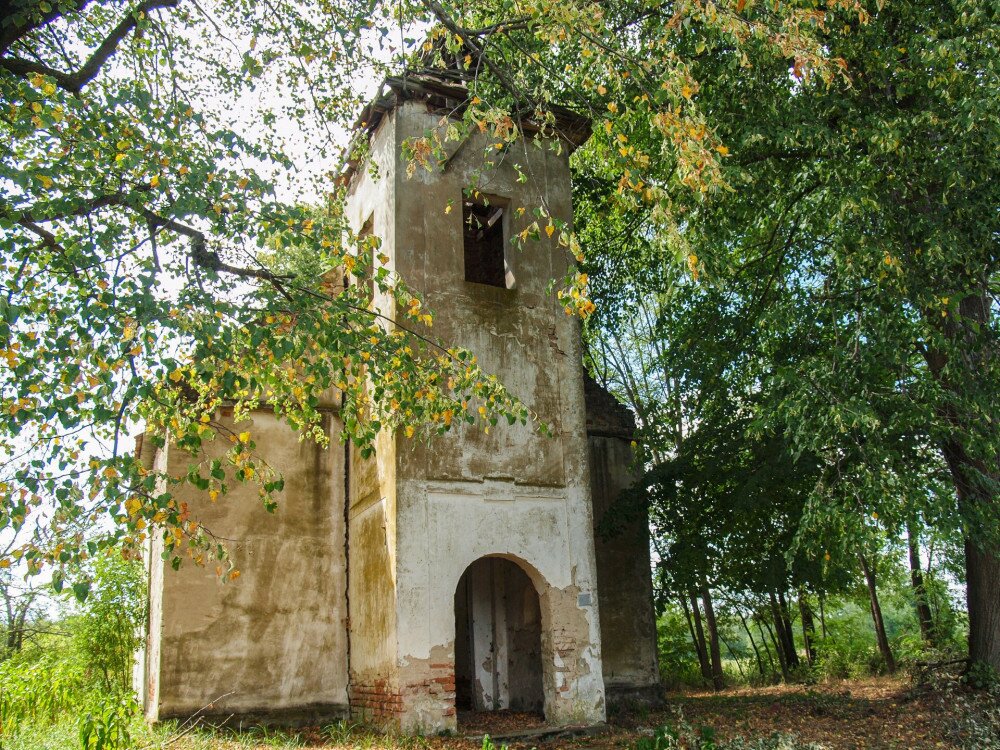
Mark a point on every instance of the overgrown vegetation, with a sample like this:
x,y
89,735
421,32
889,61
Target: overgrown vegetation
x,y
842,642
73,662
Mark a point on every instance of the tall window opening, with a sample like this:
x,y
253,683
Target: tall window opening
x,y
484,235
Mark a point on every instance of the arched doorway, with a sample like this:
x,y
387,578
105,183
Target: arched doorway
x,y
498,651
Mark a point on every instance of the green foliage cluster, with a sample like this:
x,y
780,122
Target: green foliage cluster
x,y
79,667
148,265
812,351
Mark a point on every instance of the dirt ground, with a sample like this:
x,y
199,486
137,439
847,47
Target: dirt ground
x,y
857,715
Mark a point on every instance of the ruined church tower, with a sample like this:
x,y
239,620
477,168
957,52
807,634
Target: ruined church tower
x,y
461,573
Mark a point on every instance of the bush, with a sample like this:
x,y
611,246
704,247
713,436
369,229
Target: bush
x,y
678,661
37,687
107,726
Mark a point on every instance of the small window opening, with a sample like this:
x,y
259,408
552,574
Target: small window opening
x,y
485,243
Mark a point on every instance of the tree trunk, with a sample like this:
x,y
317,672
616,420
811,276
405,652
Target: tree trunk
x,y
983,595
792,653
924,616
699,641
876,610
822,613
763,640
982,564
718,679
975,497
777,641
753,643
808,628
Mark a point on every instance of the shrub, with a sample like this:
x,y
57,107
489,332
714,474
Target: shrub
x,y
847,653
107,725
678,660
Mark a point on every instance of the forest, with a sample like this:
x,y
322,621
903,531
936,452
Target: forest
x,y
784,260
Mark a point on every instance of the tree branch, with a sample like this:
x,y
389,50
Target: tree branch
x,y
442,15
204,257
11,31
74,82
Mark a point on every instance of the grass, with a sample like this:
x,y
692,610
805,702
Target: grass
x,y
868,714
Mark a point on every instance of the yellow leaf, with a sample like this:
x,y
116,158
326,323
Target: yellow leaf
x,y
722,149
602,90
549,230
686,92
409,430
45,180
176,375
154,180
183,170
244,437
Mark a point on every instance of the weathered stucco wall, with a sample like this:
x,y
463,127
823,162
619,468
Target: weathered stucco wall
x,y
621,537
272,644
628,623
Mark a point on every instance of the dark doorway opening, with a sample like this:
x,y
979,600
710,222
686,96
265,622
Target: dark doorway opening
x,y
498,652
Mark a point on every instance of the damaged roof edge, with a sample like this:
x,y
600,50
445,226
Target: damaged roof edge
x,y
449,99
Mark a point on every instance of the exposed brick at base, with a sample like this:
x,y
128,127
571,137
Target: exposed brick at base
x,y
376,702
